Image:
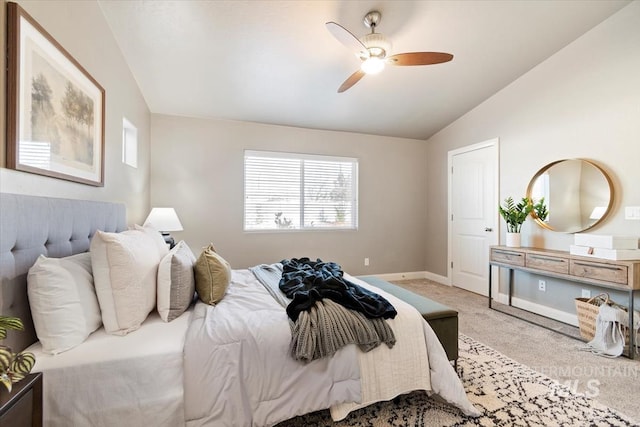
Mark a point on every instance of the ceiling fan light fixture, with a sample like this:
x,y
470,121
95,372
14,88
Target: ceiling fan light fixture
x,y
377,44
372,65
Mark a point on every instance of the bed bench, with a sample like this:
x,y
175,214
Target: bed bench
x,y
442,319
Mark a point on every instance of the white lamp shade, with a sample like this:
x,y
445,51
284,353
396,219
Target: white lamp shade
x,y
164,219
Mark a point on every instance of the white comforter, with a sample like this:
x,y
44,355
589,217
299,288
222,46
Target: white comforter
x,y
238,370
112,380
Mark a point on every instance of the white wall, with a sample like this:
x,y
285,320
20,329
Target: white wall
x,y
582,102
81,29
197,167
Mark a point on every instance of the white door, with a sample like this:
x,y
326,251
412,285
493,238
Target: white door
x,y
473,214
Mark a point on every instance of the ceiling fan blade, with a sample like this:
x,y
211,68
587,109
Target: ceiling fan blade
x,y
353,79
345,37
419,58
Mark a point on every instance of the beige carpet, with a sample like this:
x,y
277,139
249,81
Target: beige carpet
x,y
613,382
507,392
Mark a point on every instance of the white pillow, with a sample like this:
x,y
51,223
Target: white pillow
x,y
163,248
125,268
176,282
63,301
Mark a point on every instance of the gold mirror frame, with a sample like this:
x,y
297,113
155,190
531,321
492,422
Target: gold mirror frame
x,y
579,227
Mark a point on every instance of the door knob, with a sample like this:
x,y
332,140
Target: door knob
x,y
488,229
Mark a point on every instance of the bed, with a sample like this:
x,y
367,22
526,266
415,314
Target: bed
x,y
160,374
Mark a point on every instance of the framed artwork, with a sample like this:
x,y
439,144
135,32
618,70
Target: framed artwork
x,y
55,109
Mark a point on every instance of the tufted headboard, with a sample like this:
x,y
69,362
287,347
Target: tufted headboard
x,y
30,226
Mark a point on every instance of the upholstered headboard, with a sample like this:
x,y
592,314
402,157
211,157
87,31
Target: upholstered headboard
x,y
30,226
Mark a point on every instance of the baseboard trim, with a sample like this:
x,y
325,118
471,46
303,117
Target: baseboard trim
x,y
443,280
543,310
412,275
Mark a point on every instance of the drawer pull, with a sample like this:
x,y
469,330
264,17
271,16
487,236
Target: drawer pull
x,y
544,258
604,267
507,252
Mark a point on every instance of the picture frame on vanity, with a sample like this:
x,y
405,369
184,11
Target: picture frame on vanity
x,y
55,108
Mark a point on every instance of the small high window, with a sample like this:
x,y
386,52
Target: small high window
x,y
129,143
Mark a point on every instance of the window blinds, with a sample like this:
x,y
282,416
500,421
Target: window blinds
x,y
288,191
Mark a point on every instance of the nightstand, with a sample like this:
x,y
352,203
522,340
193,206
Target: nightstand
x,y
23,406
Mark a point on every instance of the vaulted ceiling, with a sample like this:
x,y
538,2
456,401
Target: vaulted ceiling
x,y
275,62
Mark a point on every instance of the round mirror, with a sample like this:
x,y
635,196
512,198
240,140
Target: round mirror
x,y
577,192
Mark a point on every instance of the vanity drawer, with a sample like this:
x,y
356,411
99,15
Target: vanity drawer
x,y
507,256
554,264
605,272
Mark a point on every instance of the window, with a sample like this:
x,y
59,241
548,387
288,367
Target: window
x,y
129,143
299,191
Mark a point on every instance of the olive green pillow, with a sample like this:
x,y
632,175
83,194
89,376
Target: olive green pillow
x,y
213,275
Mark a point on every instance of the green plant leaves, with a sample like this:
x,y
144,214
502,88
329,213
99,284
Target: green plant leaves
x,y
9,323
6,356
540,210
13,366
514,213
4,379
22,363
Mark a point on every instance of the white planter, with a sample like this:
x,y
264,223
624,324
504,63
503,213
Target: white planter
x,y
513,240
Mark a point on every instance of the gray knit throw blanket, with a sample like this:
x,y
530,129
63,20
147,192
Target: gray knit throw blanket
x,y
327,326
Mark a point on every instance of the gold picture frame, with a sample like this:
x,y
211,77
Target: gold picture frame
x,y
55,109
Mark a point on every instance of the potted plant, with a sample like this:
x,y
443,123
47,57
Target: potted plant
x,y
13,366
514,215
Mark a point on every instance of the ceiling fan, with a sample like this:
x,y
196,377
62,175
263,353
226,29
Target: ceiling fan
x,y
374,49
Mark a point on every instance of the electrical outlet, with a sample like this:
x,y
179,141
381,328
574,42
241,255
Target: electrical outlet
x,y
366,262
542,285
586,293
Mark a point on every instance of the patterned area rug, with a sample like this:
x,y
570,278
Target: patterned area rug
x,y
508,393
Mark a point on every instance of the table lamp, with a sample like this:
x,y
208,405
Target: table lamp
x,y
164,220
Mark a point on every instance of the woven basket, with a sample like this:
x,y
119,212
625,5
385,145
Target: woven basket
x,y
588,308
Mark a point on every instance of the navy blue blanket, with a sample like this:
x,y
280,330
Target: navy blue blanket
x,y
305,282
